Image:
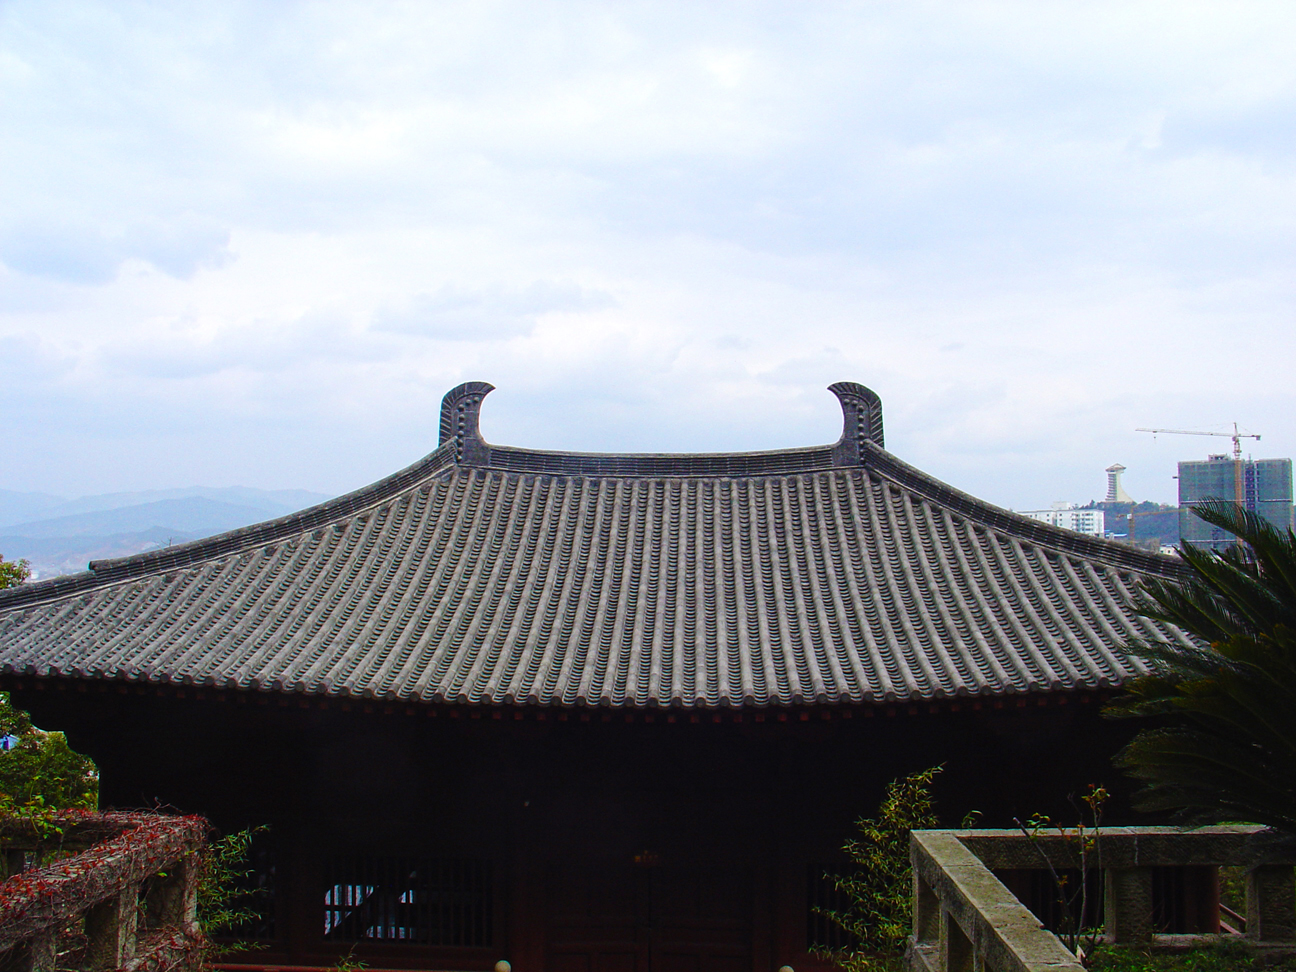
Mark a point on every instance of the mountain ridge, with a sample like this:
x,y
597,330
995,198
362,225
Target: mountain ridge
x,y
71,533
19,507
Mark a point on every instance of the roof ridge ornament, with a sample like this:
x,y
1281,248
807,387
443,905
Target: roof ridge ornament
x,y
460,411
861,419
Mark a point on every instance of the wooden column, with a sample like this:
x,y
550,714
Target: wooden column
x,y
764,953
1271,903
526,918
300,887
110,927
1129,905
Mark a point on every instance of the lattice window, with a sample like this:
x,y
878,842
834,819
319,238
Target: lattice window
x,y
1185,900
422,901
822,894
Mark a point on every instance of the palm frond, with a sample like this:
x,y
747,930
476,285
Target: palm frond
x,y
1228,751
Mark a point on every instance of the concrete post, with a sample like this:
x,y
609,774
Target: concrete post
x,y
37,954
15,862
1271,903
927,912
1128,905
173,900
110,927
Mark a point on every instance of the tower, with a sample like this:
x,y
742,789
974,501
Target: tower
x,y
1115,491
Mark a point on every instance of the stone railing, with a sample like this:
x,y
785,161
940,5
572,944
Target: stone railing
x,y
111,891
967,920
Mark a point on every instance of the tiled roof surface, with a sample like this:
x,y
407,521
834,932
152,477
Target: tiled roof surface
x,y
486,575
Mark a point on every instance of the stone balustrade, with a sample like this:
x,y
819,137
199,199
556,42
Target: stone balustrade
x,y
967,920
117,889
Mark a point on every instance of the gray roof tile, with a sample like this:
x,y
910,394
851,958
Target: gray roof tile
x,y
491,575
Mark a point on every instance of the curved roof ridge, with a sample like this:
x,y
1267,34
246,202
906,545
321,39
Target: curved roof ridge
x,y
461,430
1033,531
665,465
105,572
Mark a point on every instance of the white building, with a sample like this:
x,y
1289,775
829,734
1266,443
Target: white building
x,y
1069,518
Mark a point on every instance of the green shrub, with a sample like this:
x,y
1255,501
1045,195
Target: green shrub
x,y
1224,956
42,772
13,572
879,887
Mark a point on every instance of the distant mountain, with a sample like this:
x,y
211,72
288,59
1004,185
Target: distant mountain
x,y
71,533
23,507
52,556
197,516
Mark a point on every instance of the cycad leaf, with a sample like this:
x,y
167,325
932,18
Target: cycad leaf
x,y
1229,696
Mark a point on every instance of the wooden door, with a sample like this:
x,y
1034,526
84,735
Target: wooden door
x,y
597,919
628,918
700,919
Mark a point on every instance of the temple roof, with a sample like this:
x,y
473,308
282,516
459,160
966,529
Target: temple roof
x,y
485,574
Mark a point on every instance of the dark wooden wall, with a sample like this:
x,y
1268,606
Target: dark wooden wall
x,y
613,846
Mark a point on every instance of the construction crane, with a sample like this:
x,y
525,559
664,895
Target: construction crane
x,y
1129,519
1235,435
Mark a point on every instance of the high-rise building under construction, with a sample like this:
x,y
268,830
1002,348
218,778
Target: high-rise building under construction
x,y
1263,486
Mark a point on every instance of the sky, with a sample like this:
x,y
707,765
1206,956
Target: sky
x,y
254,244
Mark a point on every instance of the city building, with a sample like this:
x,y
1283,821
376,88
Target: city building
x,y
1066,516
588,712
1263,486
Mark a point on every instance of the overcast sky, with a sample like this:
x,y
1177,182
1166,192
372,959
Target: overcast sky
x,y
255,244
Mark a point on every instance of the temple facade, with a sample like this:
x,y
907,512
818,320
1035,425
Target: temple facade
x,y
586,713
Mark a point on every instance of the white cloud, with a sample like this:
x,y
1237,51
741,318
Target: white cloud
x,y
83,253
455,313
237,240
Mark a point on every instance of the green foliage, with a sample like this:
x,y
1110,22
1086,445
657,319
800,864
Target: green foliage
x,y
1083,847
224,906
1223,956
1232,882
13,572
1145,508
879,887
42,773
1227,750
349,963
